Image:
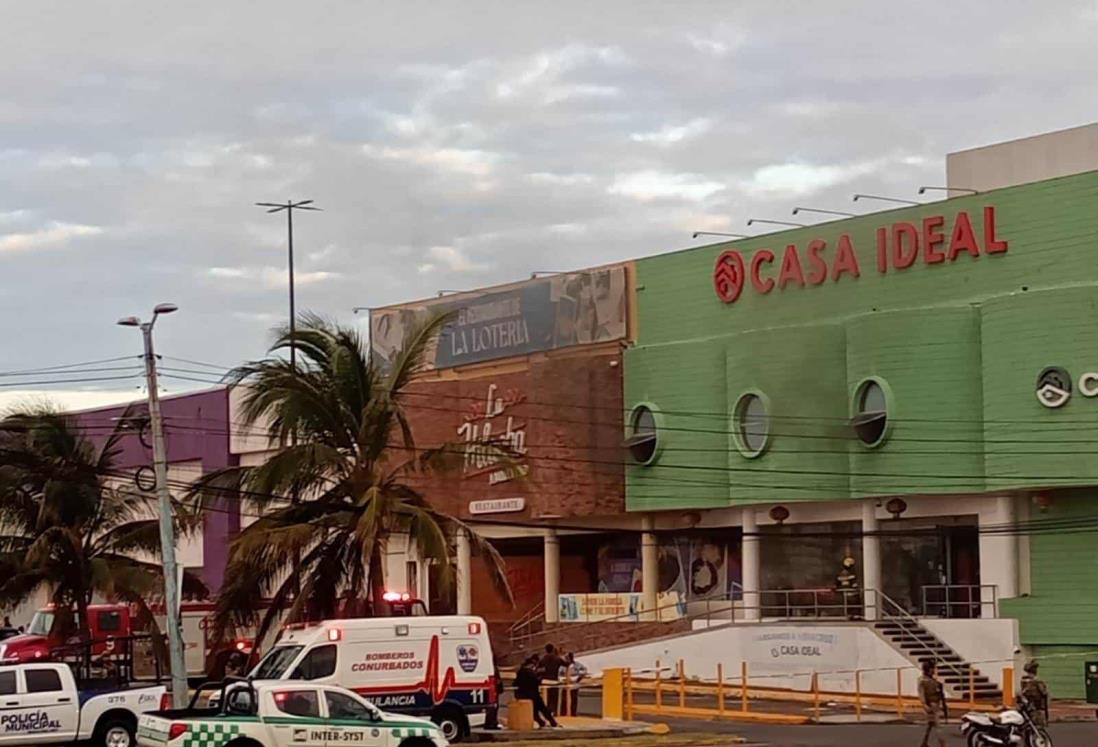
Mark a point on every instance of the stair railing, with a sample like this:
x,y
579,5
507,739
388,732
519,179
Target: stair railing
x,y
521,627
891,611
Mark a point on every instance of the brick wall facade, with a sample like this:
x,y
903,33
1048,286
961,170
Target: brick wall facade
x,y
561,416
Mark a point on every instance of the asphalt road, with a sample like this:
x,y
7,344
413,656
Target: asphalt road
x,y
867,735
1083,734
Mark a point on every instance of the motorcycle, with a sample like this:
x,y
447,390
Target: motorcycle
x,y
1013,727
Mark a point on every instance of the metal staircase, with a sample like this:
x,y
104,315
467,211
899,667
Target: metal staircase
x,y
918,644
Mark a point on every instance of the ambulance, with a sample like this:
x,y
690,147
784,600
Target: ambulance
x,y
439,667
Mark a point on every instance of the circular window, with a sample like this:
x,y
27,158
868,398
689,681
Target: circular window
x,y
643,435
870,419
751,424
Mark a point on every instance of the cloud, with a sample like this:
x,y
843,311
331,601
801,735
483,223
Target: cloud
x,y
671,134
455,160
797,178
269,278
654,185
564,180
541,72
56,234
448,258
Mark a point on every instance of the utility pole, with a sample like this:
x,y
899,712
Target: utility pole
x,y
290,206
167,528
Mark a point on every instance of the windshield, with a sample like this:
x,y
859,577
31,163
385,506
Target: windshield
x,y
275,664
41,623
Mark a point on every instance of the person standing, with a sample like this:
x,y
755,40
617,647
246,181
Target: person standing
x,y
528,687
491,716
551,664
575,672
932,696
1035,691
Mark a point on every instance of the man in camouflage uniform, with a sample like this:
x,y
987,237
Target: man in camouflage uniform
x,y
1035,691
932,696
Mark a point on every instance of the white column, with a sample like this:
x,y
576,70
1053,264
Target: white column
x,y
998,551
750,564
464,573
871,557
552,576
650,565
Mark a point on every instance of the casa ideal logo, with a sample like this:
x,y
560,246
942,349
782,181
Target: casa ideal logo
x,y
898,247
1054,386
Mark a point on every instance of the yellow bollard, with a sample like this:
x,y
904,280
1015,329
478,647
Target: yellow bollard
x,y
1008,687
899,693
682,684
743,687
720,688
629,694
520,715
613,681
858,694
816,695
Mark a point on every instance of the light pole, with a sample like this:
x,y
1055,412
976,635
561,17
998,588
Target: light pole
x,y
167,528
290,206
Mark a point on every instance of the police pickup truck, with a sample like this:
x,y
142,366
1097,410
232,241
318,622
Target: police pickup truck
x,y
40,704
283,713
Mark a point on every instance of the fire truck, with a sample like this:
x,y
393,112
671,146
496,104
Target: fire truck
x,y
110,623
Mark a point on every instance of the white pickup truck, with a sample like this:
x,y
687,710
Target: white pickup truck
x,y
40,704
283,713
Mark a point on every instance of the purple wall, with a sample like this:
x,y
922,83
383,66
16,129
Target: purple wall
x,y
196,427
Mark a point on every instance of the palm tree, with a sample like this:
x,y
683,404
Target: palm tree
x,y
69,526
346,449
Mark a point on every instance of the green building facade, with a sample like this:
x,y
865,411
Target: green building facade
x,y
942,355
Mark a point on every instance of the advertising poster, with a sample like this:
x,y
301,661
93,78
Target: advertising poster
x,y
553,312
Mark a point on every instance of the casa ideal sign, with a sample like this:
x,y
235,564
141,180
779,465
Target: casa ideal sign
x,y
495,440
933,241
1054,386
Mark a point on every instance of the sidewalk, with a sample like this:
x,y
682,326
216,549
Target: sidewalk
x,y
583,732
1072,710
571,727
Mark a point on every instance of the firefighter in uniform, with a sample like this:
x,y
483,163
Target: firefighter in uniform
x,y
1035,691
932,696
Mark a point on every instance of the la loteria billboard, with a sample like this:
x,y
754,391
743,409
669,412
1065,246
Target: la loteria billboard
x,y
574,308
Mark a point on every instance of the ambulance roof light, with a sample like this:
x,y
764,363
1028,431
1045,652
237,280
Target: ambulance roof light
x,y
391,596
335,634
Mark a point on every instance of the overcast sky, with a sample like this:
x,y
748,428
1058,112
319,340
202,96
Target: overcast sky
x,y
455,145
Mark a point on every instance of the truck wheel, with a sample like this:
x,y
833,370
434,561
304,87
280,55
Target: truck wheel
x,y
452,722
116,733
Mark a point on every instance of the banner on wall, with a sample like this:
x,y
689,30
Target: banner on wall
x,y
810,649
573,308
623,607
695,567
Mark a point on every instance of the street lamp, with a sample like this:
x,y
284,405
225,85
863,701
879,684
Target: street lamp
x,y
860,196
167,529
843,213
290,206
923,190
719,233
752,221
